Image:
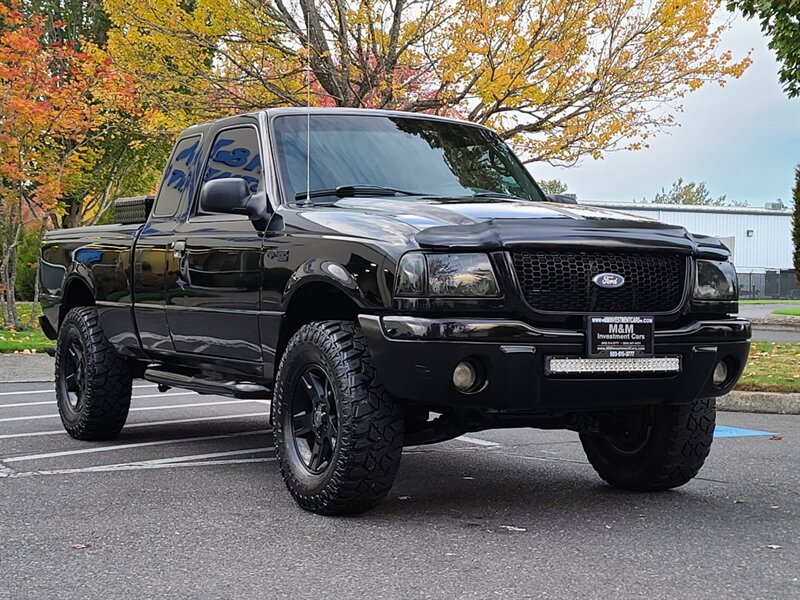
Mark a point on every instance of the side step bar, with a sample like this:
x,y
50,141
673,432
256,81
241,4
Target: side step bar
x,y
235,389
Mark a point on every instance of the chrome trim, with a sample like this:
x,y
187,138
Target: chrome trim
x,y
518,349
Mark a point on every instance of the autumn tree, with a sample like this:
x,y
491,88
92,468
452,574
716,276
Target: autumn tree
x,y
552,186
780,20
692,193
55,102
559,79
796,223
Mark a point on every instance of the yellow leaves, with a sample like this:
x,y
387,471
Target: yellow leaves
x,y
565,78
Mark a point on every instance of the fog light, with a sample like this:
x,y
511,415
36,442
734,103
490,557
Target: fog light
x,y
720,373
464,376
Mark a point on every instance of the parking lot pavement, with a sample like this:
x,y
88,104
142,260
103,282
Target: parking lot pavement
x,y
188,503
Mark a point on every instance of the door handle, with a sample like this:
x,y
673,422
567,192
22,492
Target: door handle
x,y
178,248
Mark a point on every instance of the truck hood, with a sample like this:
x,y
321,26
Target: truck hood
x,y
493,224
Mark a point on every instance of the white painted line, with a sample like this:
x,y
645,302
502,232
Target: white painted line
x,y
479,442
165,394
135,467
195,404
18,404
160,407
51,390
45,402
176,459
13,459
9,436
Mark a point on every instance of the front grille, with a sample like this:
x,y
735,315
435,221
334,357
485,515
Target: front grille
x,y
562,281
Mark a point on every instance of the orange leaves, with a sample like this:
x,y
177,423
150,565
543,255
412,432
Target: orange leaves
x,y
53,98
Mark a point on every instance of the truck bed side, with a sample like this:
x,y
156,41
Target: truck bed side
x,y
91,265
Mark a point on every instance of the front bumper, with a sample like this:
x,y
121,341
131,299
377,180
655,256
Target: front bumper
x,y
415,359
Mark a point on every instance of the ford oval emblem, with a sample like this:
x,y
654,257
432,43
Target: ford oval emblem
x,y
608,281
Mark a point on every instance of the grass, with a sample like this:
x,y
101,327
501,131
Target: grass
x,y
772,367
792,312
33,340
769,301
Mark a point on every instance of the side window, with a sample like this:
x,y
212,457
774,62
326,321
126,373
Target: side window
x,y
235,153
177,177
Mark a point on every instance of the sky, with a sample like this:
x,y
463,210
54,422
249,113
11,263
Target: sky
x,y
743,140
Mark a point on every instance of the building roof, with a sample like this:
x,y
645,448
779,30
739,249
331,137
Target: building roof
x,y
691,208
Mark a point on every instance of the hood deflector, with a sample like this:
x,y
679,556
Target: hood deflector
x,y
574,234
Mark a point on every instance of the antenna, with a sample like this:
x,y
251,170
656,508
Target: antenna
x,y
308,114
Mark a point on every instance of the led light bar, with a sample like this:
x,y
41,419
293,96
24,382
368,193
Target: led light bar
x,y
657,364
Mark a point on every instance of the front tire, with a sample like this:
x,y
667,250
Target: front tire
x,y
338,433
653,449
93,383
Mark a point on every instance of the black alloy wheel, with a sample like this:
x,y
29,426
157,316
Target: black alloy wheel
x,y
338,433
630,432
314,420
654,449
74,381
93,382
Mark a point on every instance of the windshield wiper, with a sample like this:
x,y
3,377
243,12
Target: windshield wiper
x,y
350,191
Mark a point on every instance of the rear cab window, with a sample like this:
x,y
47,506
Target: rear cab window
x,y
177,176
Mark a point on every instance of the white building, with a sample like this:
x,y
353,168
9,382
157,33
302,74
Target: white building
x,y
760,239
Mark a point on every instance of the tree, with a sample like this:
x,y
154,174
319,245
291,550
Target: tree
x,y
559,79
796,223
692,193
553,186
780,19
55,102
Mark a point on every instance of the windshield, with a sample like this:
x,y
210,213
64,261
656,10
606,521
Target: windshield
x,y
416,155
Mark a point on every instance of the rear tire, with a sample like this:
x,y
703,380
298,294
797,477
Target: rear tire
x,y
338,433
93,383
654,449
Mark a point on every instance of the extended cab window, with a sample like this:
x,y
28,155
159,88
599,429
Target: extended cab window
x,y
177,176
235,153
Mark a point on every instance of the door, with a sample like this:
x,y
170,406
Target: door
x,y
213,276
154,246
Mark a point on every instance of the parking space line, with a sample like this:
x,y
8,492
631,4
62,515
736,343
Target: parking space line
x,y
47,402
138,408
725,431
138,467
9,436
19,404
14,459
175,459
51,390
479,442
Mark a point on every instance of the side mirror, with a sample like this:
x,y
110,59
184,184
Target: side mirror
x,y
230,195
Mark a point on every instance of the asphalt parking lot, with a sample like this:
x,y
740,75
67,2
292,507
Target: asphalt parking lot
x,y
188,503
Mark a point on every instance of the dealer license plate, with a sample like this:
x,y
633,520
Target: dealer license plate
x,y
620,336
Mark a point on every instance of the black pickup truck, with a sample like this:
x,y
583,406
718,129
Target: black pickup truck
x,y
392,279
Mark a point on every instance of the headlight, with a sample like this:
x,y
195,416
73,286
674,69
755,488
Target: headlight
x,y
446,275
716,280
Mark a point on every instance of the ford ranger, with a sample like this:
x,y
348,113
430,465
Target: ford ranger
x,y
390,279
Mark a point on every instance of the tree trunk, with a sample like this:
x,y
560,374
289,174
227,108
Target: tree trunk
x,y
8,275
34,304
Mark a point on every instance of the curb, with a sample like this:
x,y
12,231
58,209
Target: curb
x,y
776,322
775,403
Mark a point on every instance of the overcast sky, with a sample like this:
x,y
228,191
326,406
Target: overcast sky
x,y
743,140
